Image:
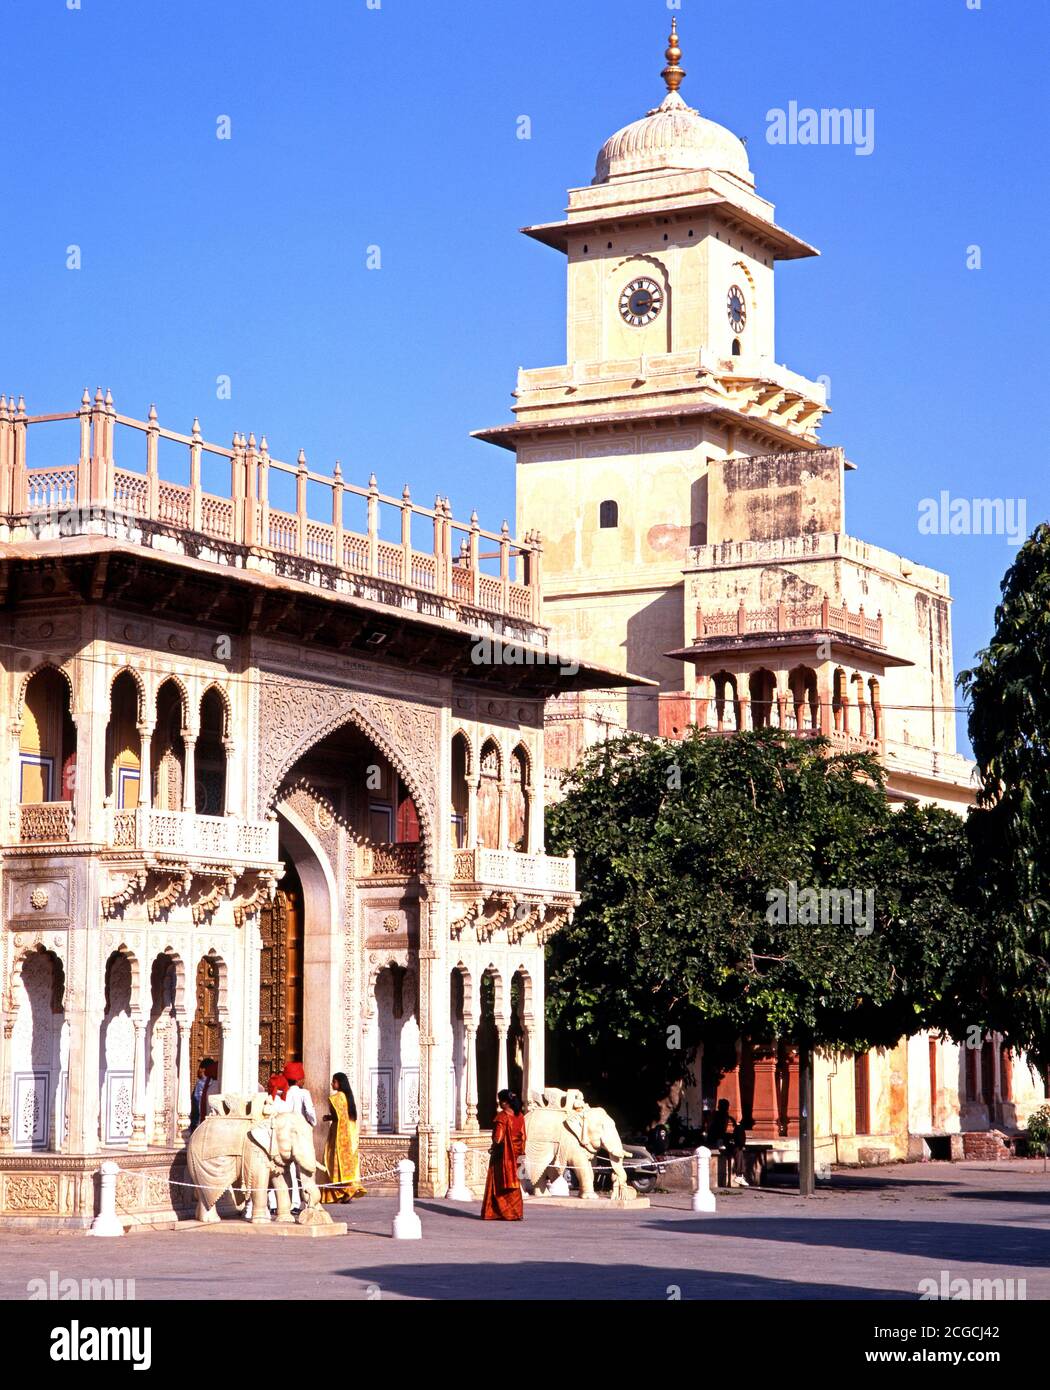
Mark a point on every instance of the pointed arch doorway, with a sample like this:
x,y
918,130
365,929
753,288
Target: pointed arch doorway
x,y
281,927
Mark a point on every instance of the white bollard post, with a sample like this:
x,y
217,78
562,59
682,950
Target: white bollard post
x,y
703,1197
406,1223
459,1191
106,1222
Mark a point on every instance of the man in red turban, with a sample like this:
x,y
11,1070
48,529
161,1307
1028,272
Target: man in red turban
x,y
300,1103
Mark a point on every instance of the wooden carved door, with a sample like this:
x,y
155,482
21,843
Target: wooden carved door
x,y
280,984
206,1034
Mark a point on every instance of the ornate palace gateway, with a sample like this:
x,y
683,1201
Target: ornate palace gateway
x,y
267,799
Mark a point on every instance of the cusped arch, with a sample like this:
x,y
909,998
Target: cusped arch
x,y
522,748
140,687
125,952
171,678
346,711
20,703
22,953
492,741
169,953
222,1003
227,706
634,258
465,975
468,744
497,989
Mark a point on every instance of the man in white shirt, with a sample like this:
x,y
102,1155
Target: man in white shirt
x,y
299,1102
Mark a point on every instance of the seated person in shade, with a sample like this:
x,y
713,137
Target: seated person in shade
x,y
719,1126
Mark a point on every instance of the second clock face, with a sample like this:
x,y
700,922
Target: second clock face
x,y
640,302
736,307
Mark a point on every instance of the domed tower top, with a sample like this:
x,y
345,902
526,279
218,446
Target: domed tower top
x,y
672,137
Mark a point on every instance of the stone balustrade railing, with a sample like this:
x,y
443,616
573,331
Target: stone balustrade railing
x,y
185,834
507,868
818,615
389,860
45,822
60,499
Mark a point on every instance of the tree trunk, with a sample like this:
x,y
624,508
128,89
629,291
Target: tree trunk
x,y
806,1148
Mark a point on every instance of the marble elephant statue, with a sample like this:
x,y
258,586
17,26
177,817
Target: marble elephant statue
x,y
251,1151
560,1136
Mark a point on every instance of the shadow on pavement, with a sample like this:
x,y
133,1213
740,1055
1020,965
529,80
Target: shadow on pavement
x,y
548,1280
938,1240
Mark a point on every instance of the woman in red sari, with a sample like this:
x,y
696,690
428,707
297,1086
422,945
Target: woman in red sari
x,y
502,1201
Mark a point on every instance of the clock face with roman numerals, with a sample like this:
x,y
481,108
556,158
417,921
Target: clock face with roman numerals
x,y
736,307
640,302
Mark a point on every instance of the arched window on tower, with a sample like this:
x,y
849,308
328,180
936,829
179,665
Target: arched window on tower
x,y
736,347
47,743
608,516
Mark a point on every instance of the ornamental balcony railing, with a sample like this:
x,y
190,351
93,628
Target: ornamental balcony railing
x,y
817,615
184,834
389,860
62,499
507,868
45,822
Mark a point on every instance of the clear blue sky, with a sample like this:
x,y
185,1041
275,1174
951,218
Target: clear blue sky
x,y
396,126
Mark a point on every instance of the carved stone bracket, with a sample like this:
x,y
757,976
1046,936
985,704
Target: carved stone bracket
x,y
114,904
219,887
169,886
259,888
456,927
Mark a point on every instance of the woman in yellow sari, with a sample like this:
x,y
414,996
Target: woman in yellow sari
x,y
341,1154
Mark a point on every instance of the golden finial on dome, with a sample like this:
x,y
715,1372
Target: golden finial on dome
x,y
673,72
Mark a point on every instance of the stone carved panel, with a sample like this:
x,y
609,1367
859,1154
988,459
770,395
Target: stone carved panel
x,y
37,1193
46,896
296,714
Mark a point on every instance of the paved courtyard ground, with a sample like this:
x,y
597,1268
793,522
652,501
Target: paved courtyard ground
x,y
874,1235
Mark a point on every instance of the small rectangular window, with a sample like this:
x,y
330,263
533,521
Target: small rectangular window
x,y
608,516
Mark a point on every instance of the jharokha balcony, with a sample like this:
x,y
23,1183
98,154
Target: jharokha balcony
x,y
258,512
813,667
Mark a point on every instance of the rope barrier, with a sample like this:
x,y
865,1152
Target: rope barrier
x,y
321,1186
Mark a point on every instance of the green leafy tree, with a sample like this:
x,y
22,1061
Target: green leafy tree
x,y
681,851
1006,983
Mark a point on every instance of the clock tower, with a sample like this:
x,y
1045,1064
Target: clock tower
x,y
670,368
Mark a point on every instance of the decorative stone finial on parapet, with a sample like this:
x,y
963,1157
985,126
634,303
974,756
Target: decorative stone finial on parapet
x,y
406,495
300,462
86,397
673,72
152,416
337,471
195,429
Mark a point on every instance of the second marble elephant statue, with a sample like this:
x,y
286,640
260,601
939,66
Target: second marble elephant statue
x,y
247,1153
557,1138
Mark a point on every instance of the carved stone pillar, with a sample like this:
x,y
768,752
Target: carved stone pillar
x,y
5,1083
743,701
434,1029
145,772
501,1056
504,817
185,1082
137,1141
231,798
471,836
470,1061
189,773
